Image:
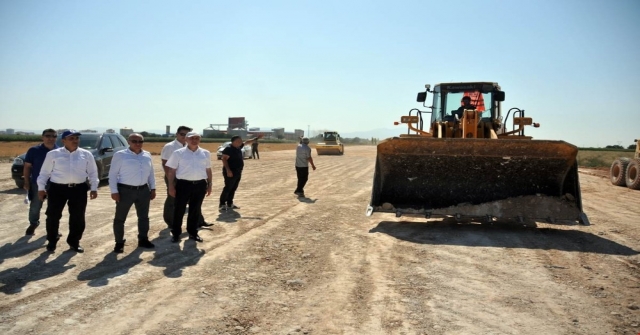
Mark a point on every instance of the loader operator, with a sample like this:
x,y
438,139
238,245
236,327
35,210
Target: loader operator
x,y
466,104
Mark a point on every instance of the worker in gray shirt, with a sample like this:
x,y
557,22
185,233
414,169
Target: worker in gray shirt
x,y
303,159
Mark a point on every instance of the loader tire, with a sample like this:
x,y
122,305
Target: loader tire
x,y
633,174
618,171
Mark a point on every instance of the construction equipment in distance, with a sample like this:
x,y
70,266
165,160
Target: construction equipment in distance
x,y
625,171
331,144
468,164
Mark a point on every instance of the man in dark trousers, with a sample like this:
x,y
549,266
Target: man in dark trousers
x,y
232,165
67,169
167,150
303,159
32,165
132,182
189,179
254,149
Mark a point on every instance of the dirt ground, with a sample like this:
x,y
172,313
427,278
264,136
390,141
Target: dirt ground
x,y
283,265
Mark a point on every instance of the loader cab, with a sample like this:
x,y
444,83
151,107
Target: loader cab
x,y
486,97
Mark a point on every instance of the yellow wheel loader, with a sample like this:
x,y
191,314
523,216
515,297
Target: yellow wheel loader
x,y
465,162
625,171
331,144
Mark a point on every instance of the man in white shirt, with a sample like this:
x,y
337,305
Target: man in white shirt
x,y
189,178
67,171
167,150
132,182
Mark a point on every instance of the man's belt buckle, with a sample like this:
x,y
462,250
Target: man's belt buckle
x,y
72,185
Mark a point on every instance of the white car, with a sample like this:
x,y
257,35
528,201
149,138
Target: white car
x,y
246,150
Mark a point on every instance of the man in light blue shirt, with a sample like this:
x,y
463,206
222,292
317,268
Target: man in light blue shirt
x,y
132,182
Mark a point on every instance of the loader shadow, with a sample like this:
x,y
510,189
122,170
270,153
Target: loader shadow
x,y
20,247
15,279
503,235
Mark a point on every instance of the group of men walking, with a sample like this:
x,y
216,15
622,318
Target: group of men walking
x,y
64,175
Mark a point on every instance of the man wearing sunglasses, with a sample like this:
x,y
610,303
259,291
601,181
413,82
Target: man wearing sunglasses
x,y
167,150
132,182
32,165
67,171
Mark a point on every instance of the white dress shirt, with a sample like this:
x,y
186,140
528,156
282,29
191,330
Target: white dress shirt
x,y
64,167
131,169
169,148
190,165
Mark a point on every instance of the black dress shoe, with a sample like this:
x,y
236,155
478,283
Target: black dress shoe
x,y
196,238
51,247
175,239
145,244
77,248
119,248
31,230
205,224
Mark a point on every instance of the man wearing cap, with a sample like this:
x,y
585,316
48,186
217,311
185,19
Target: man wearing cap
x,y
32,165
303,159
67,170
189,179
232,165
132,182
167,150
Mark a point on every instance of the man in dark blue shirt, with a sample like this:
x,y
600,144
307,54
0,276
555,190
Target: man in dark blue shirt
x,y
32,165
233,163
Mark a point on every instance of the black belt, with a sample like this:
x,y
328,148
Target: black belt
x,y
201,181
130,187
68,185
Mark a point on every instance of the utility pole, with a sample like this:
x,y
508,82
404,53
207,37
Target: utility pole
x,y
308,134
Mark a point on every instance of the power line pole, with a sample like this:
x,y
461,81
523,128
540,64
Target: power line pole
x,y
308,133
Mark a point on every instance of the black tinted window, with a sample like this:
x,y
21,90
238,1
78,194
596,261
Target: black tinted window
x,y
106,142
117,141
89,141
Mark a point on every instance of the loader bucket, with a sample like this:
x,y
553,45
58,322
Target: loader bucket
x,y
329,149
489,178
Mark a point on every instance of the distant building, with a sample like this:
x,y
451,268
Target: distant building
x,y
126,131
88,131
10,131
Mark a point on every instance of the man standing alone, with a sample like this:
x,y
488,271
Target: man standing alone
x,y
132,182
67,169
232,165
189,176
32,165
303,159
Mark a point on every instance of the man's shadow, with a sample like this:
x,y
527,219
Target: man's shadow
x,y
307,200
231,216
111,267
169,256
20,247
14,279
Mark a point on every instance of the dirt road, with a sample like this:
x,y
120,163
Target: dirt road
x,y
319,266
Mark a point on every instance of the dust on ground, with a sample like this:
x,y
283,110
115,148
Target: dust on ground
x,y
318,265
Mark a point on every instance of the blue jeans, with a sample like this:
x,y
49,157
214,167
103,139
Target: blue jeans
x,y
35,206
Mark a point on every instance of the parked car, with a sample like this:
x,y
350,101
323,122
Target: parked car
x,y
102,146
246,150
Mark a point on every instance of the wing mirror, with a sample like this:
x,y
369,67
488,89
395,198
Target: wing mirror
x,y
422,97
498,95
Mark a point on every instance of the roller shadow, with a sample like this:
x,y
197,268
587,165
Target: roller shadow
x,y
501,235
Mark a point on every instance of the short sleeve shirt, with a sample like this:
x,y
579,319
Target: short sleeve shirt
x,y
303,152
236,159
190,165
35,156
169,148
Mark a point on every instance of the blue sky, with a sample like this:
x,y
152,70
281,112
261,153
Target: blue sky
x,y
345,65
